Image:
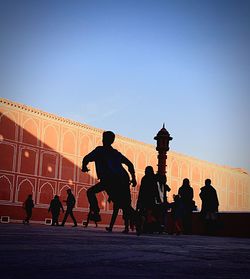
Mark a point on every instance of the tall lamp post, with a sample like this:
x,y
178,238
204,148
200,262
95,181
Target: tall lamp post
x,y
163,138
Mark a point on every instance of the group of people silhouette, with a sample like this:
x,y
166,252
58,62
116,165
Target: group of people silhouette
x,y
152,205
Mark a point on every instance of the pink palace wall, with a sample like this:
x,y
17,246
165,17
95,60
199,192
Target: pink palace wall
x,y
41,154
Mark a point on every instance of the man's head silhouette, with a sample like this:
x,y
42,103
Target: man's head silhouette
x,y
108,138
208,182
149,170
185,182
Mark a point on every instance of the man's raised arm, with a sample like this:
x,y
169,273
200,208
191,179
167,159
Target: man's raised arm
x,y
131,169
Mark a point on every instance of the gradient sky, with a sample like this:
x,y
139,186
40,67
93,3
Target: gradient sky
x,y
129,66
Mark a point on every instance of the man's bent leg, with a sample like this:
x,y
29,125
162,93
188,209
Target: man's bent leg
x,y
91,194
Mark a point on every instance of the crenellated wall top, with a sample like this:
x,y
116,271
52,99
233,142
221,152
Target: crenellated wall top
x,y
63,120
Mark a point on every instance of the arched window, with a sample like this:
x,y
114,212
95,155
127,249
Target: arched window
x,y
185,171
84,145
82,201
129,153
196,174
46,193
8,126
69,143
141,161
25,188
174,169
50,138
5,189
7,156
30,132
67,168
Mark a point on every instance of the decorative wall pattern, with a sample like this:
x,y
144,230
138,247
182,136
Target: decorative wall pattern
x,y
41,155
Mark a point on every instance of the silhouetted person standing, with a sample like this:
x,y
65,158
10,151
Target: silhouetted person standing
x,y
70,202
54,208
148,193
210,206
147,202
28,206
162,205
114,179
177,214
186,194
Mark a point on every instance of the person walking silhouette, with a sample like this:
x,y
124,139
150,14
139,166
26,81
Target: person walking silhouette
x,y
70,202
54,208
28,206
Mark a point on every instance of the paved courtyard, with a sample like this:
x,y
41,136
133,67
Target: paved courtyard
x,y
40,251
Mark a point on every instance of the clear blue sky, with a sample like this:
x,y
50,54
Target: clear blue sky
x,y
129,66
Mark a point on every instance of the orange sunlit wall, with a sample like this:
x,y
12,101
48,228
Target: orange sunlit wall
x,y
41,154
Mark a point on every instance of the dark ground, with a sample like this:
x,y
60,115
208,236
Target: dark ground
x,y
40,251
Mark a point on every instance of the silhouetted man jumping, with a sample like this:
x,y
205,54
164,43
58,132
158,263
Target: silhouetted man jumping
x,y
114,179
